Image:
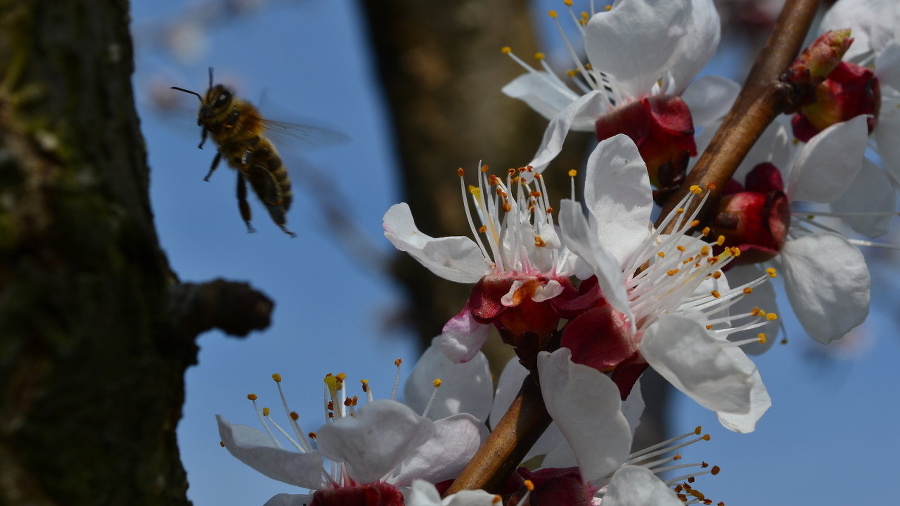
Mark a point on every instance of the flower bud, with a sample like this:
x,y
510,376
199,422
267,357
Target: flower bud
x,y
849,90
372,494
662,129
820,58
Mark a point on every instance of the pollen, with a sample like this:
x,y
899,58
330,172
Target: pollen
x,y
539,242
437,383
573,173
771,272
696,190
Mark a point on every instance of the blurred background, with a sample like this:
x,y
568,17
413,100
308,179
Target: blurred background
x,y
415,88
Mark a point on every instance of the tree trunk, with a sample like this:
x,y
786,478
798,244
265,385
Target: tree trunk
x,y
95,330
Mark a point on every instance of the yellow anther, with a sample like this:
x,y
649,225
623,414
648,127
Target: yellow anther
x,y
672,272
437,383
276,377
460,172
482,229
762,338
705,437
252,397
720,240
715,470
365,385
485,168
717,275
608,8
529,485
771,316
312,435
265,411
755,311
571,72
294,416
709,327
552,14
681,248
696,190
704,250
474,190
539,242
715,293
695,223
661,254
698,429
748,291
496,500
705,231
710,186
539,56
568,2
397,362
771,272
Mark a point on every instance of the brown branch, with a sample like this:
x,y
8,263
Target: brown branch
x,y
234,308
510,441
762,99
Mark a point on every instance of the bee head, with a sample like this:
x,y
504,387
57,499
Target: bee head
x,y
218,98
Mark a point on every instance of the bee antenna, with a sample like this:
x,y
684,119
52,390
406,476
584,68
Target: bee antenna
x,y
188,91
210,77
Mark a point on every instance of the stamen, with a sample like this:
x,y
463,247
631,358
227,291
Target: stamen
x,y
437,384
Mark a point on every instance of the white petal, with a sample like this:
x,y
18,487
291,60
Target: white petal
x,y
471,498
462,337
684,352
254,448
422,493
828,162
455,440
465,388
827,282
375,441
759,403
887,66
636,40
774,145
582,240
457,258
637,486
543,94
580,115
618,196
507,388
697,46
709,98
585,405
633,406
871,192
887,132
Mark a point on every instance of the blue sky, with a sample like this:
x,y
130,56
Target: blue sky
x,y
830,437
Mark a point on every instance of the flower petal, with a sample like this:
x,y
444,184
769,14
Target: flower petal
x,y
579,116
887,132
829,162
638,486
256,449
455,440
462,337
585,405
290,500
827,282
709,98
873,24
618,196
871,192
760,402
636,40
701,366
547,96
465,387
457,258
375,441
582,240
697,46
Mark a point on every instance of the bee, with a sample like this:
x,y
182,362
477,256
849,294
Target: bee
x,y
237,128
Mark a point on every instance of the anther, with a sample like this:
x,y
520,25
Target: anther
x,y
252,397
276,377
552,14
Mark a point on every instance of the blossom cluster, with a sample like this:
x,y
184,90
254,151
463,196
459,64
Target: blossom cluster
x,y
591,292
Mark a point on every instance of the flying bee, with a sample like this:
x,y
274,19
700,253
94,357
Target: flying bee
x,y
237,128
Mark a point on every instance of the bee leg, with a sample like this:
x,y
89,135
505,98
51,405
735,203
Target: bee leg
x,y
242,202
202,138
212,168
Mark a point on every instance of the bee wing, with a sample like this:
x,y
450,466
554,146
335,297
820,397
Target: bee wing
x,y
303,135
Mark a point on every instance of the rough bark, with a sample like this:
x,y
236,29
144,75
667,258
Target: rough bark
x,y
95,330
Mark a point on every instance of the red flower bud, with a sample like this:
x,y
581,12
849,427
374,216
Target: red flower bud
x,y
756,223
663,131
373,494
849,90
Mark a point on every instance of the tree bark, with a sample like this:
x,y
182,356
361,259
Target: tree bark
x,y
95,329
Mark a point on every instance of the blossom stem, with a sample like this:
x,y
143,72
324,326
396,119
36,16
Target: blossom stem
x,y
511,439
759,102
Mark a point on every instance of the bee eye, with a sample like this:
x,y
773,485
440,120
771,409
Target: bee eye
x,y
221,99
